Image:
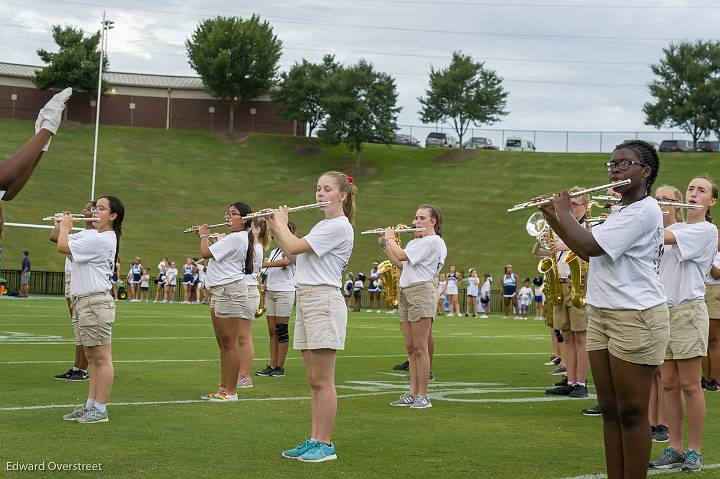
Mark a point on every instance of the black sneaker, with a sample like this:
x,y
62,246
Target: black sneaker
x,y
431,377
578,391
64,376
277,372
78,375
660,433
265,372
703,383
560,390
712,386
592,411
402,367
564,382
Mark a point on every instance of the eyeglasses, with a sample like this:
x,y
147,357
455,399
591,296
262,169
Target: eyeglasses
x,y
622,165
232,213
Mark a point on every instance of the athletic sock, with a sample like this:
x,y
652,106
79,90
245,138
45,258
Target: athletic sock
x,y
89,404
101,407
583,383
75,369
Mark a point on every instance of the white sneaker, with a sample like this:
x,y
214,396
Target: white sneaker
x,y
378,311
244,382
484,316
421,402
50,115
369,311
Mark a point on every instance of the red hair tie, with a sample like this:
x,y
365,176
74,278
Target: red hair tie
x,y
349,178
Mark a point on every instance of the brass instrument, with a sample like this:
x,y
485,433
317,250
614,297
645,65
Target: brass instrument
x,y
390,276
578,278
547,201
538,228
261,288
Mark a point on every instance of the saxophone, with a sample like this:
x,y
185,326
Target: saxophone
x,y
578,279
537,227
261,288
390,276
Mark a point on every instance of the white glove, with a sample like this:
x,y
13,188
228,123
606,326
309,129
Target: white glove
x,y
50,115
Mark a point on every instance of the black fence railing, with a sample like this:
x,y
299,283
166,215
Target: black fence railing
x,y
53,283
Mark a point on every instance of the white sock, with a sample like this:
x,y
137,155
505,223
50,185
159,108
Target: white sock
x,y
89,404
101,407
583,383
75,369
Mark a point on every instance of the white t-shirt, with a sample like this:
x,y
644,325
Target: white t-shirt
x,y
228,261
171,276
685,265
441,288
716,263
358,285
426,257
627,275
258,252
485,290
93,261
68,268
526,294
201,273
145,281
280,279
473,287
332,243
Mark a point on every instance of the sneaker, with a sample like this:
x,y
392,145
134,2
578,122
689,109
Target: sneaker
x,y
244,382
559,371
319,452
369,311
209,397
431,377
421,402
264,372
64,376
79,412
693,461
484,316
79,375
378,311
402,367
712,386
551,362
670,459
562,382
703,383
298,450
560,390
277,373
592,411
556,361
224,397
660,433
405,400
578,391
93,416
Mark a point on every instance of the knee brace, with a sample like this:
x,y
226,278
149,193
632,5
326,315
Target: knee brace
x,y
281,331
559,336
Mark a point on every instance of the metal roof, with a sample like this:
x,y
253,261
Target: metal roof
x,y
116,78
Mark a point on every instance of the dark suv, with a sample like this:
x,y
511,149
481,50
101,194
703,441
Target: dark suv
x,y
675,145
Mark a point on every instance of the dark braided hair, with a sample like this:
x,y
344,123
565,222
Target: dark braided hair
x,y
245,210
648,155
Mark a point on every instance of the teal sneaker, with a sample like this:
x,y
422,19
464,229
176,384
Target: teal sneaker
x,y
299,450
670,459
79,412
693,461
93,416
320,452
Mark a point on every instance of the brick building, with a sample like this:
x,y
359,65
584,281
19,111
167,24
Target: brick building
x,y
134,99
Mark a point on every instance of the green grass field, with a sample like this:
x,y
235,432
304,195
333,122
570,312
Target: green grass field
x,y
172,179
490,417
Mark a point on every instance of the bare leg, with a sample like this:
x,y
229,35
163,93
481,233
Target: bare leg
x,y
103,374
408,339
713,356
612,436
569,355
81,361
273,341
673,402
245,345
321,374
420,331
689,375
581,367
229,336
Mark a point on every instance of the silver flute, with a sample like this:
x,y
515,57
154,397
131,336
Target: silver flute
x,y
264,214
547,201
378,231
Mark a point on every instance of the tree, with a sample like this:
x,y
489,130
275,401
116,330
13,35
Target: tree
x,y
74,65
464,93
361,105
685,88
236,58
302,89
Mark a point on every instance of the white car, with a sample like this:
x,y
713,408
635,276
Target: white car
x,y
442,140
516,143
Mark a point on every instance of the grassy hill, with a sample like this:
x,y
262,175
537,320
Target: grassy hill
x,y
172,179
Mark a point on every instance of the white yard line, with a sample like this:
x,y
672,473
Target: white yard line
x,y
651,472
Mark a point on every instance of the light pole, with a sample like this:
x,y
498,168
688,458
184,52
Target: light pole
x,y
106,25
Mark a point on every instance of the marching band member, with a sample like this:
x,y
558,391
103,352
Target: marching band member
x,y
279,301
321,314
628,318
420,261
79,370
711,364
229,260
690,248
93,254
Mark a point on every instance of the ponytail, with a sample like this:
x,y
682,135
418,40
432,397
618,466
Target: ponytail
x,y
708,216
117,207
245,210
345,185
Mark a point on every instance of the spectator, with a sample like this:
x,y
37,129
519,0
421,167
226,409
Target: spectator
x,y
442,284
348,288
25,276
485,294
374,288
144,285
473,290
170,282
539,298
526,297
357,291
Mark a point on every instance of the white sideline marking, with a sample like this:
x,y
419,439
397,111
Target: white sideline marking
x,y
267,359
187,401
651,472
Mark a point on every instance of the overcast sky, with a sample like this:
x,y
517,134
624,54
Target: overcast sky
x,y
568,64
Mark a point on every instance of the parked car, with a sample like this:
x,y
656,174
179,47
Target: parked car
x,y
516,143
441,140
480,143
708,146
407,140
675,145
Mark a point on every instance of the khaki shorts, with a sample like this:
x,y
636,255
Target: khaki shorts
x,y
252,303
279,303
639,337
712,300
417,302
689,329
94,316
228,300
67,288
566,316
320,318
